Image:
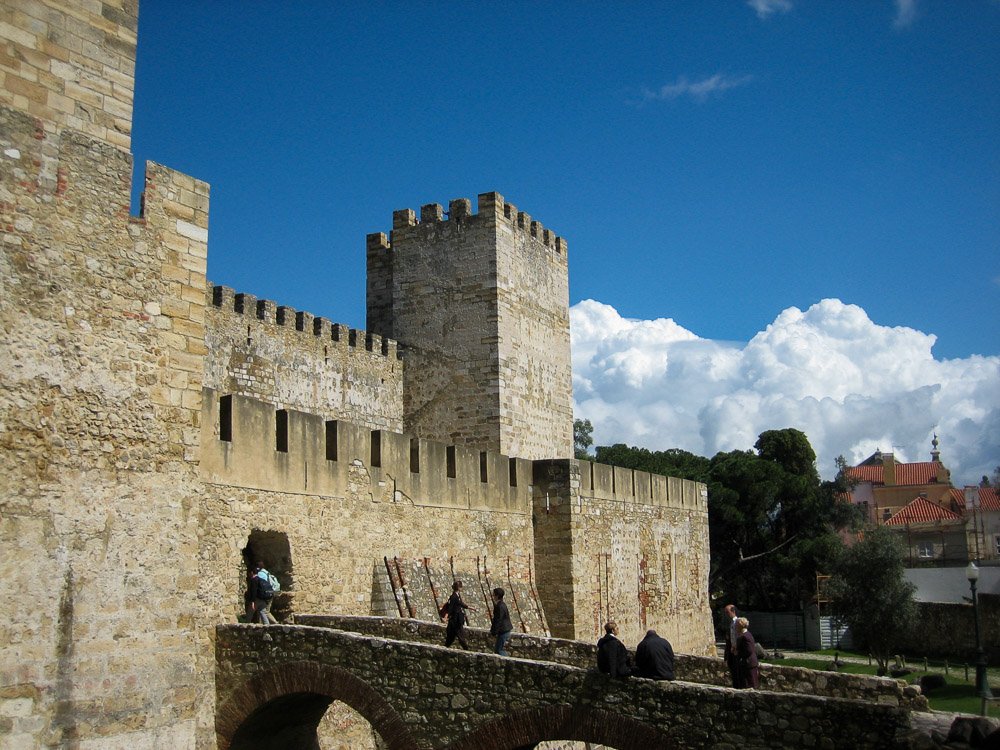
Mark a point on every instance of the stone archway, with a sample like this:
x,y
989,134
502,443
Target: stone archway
x,y
273,549
281,708
523,730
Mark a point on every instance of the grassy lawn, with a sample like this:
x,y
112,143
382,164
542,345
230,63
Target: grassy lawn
x,y
958,695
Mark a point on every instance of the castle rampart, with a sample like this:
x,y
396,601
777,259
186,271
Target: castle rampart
x,y
292,359
332,458
623,546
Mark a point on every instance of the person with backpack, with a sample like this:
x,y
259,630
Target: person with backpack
x,y
261,594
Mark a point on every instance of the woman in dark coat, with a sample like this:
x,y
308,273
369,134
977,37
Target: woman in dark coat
x,y
747,666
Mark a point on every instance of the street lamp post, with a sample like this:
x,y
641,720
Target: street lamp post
x,y
982,684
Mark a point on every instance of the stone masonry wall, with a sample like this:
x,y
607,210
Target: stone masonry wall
x,y
536,397
101,339
479,303
298,361
617,544
707,670
343,512
70,65
466,700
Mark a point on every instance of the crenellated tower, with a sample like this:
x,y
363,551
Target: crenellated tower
x,y
479,303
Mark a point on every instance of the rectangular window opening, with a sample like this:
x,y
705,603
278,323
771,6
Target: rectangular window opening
x,y
483,473
377,448
281,430
226,419
414,456
450,459
331,440
512,471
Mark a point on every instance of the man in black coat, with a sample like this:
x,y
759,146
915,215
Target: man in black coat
x,y
501,628
612,656
654,658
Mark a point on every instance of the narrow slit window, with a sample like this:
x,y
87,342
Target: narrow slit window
x,y
450,459
281,430
512,471
414,456
226,419
331,440
377,448
483,474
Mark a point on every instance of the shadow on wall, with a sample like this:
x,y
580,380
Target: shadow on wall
x,y
272,549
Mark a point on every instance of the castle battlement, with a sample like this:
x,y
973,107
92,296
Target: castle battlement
x,y
268,311
491,206
616,483
254,444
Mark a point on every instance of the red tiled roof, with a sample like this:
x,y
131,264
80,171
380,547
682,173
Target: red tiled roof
x,y
921,510
924,472
866,473
989,500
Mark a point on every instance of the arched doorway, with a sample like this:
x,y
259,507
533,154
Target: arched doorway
x,y
272,549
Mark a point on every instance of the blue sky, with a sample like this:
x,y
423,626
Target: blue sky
x,y
712,163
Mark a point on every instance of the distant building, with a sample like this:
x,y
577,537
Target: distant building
x,y
940,524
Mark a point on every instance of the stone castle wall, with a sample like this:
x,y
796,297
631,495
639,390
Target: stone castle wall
x,y
622,545
297,361
480,303
101,347
71,65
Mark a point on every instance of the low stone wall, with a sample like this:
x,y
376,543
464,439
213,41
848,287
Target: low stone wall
x,y
697,669
270,681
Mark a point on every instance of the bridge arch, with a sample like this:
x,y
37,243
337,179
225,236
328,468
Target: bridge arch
x,y
281,708
522,730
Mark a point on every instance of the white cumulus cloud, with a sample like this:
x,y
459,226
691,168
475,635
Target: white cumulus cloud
x,y
850,384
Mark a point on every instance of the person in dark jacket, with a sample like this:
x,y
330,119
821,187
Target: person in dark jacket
x,y
502,628
612,656
747,666
654,657
260,595
455,609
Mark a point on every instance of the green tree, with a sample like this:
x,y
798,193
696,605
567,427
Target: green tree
x,y
583,438
870,593
772,523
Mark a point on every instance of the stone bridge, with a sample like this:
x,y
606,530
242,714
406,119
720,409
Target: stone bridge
x,y
273,685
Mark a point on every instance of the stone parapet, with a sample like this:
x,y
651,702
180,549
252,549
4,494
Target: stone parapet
x,y
284,450
687,667
457,699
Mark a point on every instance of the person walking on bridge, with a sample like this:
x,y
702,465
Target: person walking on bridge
x,y
501,628
455,609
